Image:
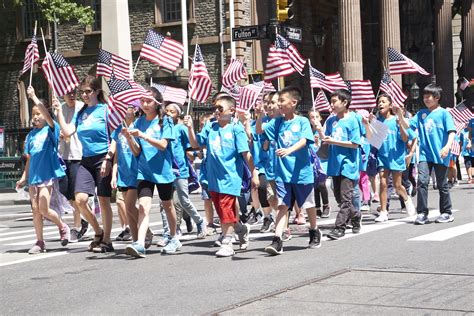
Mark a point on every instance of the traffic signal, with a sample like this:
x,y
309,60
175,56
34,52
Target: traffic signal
x,y
284,10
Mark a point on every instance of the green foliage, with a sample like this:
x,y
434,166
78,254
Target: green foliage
x,y
64,11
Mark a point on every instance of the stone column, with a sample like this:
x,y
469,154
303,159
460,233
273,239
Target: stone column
x,y
468,38
390,34
444,50
351,39
116,28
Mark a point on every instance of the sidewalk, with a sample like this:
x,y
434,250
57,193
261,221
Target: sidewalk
x,y
11,197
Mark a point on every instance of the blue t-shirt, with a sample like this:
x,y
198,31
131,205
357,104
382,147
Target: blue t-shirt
x,y
259,156
126,162
433,132
224,161
364,149
180,144
391,154
41,145
295,168
267,157
155,165
92,130
343,160
464,136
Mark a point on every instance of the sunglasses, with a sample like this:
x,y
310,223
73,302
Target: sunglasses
x,y
86,91
219,108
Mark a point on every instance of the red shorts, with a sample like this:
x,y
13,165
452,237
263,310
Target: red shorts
x,y
225,207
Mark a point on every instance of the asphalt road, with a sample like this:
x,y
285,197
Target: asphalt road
x,y
389,268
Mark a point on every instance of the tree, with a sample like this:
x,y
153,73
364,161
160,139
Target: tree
x,y
58,11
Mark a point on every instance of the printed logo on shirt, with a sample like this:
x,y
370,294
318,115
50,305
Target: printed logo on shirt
x,y
430,126
124,144
423,116
38,142
295,128
228,135
216,147
339,134
288,139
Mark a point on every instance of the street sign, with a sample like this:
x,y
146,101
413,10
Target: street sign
x,y
293,33
251,32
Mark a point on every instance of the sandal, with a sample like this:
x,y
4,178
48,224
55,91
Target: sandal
x,y
103,247
97,241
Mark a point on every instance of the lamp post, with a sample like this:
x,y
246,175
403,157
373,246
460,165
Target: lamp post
x,y
415,95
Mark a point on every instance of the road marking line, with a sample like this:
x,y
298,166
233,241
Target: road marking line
x,y
445,234
33,258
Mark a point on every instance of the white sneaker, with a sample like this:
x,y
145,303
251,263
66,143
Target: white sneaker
x,y
383,217
411,210
226,250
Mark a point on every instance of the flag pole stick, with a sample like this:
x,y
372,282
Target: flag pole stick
x,y
151,81
190,78
49,75
31,68
135,68
433,77
312,90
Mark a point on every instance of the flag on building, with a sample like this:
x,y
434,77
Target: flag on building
x,y
108,63
249,95
161,50
171,94
59,74
200,84
461,113
31,55
330,82
122,94
321,103
234,72
362,94
399,64
391,88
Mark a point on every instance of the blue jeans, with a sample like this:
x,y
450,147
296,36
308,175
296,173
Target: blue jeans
x,y
424,171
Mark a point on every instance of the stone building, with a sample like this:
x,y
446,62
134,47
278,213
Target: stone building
x,y
349,36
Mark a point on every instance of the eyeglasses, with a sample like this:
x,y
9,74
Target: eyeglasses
x,y
73,92
86,91
219,108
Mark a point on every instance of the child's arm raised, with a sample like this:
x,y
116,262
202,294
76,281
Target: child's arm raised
x,y
134,146
258,122
32,95
188,122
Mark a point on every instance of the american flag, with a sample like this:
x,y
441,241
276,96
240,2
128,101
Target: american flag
x,y
268,87
234,73
161,50
321,103
199,81
461,113
390,87
123,93
362,94
31,55
249,95
455,147
171,94
278,64
399,64
331,82
60,75
108,62
297,61
233,91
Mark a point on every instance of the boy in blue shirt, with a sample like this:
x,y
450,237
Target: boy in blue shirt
x,y
436,132
227,148
343,136
294,176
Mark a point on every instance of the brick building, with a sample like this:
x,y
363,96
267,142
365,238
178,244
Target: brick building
x,y
349,36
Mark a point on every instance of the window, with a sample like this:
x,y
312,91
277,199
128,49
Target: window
x,y
95,5
169,11
30,13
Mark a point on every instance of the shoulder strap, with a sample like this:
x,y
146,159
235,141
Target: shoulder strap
x,y
84,107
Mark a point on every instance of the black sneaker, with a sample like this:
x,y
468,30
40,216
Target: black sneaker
x,y
267,222
314,238
326,211
318,212
276,247
84,229
356,224
252,217
189,223
74,234
120,236
336,233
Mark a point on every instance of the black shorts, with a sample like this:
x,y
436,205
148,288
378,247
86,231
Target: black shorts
x,y
262,191
468,161
88,177
146,188
68,182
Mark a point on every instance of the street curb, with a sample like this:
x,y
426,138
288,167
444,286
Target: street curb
x,y
14,202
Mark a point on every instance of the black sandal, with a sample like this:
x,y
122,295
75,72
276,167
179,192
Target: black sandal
x,y
103,247
96,242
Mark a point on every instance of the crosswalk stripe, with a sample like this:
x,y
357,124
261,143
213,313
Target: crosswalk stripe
x,y
445,234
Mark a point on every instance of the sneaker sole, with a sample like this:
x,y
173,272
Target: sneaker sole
x,y
134,253
443,222
314,246
333,237
170,252
64,242
272,251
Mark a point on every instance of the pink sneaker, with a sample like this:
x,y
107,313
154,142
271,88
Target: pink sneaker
x,y
65,235
376,198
